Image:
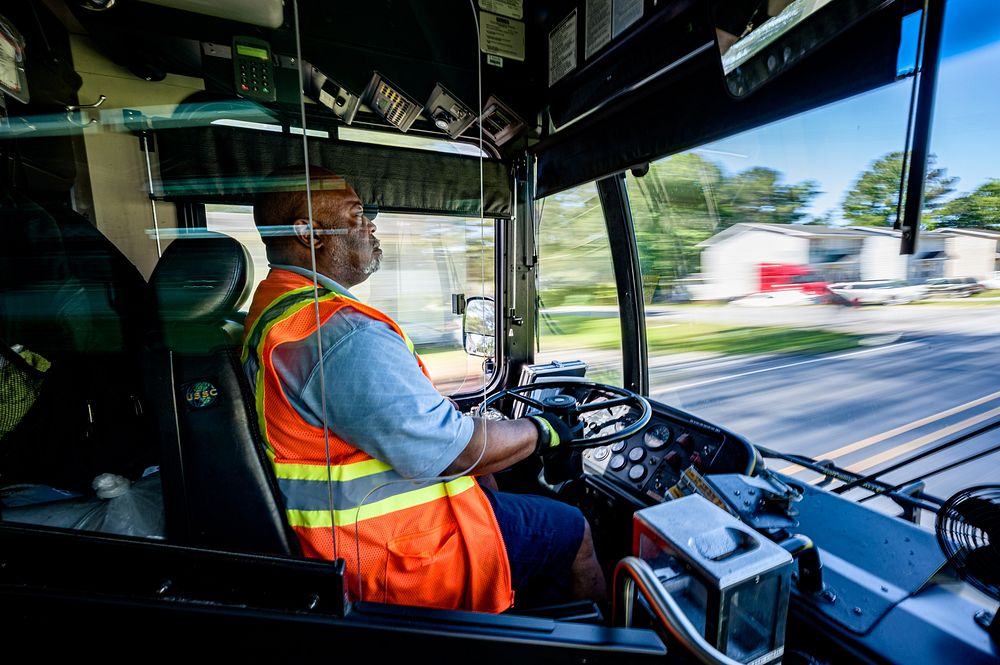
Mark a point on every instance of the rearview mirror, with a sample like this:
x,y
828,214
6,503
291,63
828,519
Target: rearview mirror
x,y
479,327
758,39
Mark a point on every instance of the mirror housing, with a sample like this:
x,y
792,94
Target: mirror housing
x,y
479,327
759,40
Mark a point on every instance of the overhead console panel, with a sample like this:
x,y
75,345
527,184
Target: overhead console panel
x,y
265,13
685,102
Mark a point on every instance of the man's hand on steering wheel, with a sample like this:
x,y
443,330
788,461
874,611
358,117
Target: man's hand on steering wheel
x,y
559,444
552,432
559,461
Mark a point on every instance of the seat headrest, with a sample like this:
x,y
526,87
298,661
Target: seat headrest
x,y
201,279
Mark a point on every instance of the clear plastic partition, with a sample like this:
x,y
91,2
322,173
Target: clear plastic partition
x,y
223,235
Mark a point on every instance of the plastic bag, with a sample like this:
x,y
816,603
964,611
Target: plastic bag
x,y
126,508
121,506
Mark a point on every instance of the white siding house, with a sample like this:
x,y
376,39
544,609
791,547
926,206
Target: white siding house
x,y
730,259
971,252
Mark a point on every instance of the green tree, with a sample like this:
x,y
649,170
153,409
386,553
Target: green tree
x,y
979,209
673,209
573,249
757,195
873,199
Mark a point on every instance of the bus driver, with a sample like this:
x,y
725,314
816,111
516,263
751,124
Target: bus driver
x,y
407,512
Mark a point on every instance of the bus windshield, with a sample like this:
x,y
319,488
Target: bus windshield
x,y
880,361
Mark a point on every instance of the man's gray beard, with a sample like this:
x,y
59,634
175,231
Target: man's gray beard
x,y
373,265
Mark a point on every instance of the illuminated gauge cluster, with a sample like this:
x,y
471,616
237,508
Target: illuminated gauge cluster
x,y
653,460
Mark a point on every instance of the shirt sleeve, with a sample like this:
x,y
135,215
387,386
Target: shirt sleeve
x,y
376,397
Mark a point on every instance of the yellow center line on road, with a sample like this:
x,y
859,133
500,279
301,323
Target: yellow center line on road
x,y
902,429
904,448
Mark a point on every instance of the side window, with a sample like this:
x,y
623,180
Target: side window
x,y
578,308
426,260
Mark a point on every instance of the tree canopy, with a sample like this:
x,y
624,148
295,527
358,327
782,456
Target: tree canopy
x,y
872,201
979,209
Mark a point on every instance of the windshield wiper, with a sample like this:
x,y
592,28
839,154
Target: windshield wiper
x,y
918,500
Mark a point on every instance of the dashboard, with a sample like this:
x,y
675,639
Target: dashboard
x,y
654,460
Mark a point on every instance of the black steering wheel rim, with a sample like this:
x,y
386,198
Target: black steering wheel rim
x,y
625,397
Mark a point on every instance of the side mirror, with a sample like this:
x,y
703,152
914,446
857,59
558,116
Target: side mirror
x,y
479,328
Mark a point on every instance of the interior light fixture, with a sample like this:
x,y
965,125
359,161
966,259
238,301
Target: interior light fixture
x,y
448,113
390,103
324,90
499,122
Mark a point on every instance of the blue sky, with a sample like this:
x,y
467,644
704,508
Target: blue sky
x,y
834,144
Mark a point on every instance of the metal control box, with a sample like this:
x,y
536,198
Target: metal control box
x,y
731,582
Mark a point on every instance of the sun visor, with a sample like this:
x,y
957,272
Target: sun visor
x,y
230,164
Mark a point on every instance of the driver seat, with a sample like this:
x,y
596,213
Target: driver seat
x,y
219,488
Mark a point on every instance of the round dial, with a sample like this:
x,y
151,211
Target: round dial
x,y
618,447
617,462
637,472
636,454
657,437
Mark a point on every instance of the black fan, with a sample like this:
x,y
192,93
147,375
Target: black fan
x,y
968,529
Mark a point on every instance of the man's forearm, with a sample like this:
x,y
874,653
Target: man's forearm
x,y
495,445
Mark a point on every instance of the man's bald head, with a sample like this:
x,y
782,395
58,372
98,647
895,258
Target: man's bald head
x,y
284,200
337,240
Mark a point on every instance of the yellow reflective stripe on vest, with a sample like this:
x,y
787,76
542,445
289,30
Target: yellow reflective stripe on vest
x,y
338,473
250,333
320,519
259,351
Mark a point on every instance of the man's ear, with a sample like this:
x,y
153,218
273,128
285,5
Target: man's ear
x,y
301,229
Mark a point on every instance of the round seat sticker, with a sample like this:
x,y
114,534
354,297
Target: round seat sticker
x,y
200,394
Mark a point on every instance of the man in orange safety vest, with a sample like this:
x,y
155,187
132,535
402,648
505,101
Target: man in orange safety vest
x,y
374,465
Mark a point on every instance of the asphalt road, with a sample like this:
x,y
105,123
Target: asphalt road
x,y
926,373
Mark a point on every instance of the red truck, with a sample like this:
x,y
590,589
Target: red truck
x,y
788,276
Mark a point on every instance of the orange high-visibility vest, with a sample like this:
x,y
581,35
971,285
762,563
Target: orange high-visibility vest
x,y
430,543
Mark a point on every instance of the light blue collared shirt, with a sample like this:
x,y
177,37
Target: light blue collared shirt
x,y
377,399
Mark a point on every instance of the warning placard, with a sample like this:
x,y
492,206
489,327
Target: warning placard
x,y
501,36
598,26
627,12
562,48
509,8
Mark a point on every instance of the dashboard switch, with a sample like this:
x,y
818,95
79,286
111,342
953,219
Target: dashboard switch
x,y
673,460
685,441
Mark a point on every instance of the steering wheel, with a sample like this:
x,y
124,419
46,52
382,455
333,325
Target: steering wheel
x,y
569,408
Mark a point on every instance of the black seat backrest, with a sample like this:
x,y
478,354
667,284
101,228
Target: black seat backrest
x,y
219,489
69,295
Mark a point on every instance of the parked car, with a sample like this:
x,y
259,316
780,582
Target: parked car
x,y
775,298
879,292
953,287
993,281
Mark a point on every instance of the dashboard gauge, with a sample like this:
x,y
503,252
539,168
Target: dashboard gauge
x,y
637,473
617,462
618,447
657,437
